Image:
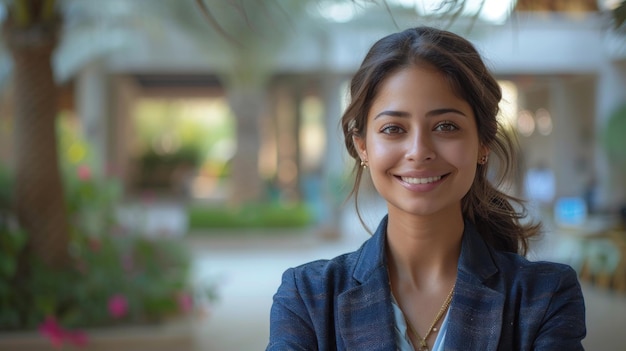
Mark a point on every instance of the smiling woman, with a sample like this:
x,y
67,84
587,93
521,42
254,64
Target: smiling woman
x,y
422,121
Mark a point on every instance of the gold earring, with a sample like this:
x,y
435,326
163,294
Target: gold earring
x,y
483,160
363,164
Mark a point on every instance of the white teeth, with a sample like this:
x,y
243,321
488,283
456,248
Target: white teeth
x,y
420,180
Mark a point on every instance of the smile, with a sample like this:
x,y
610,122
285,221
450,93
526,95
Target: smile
x,y
428,180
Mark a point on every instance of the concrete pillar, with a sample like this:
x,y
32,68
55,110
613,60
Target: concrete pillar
x,y
537,157
91,105
610,93
249,104
125,91
287,141
336,160
572,105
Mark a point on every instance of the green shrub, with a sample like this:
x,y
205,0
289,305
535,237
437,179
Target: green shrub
x,y
249,216
116,275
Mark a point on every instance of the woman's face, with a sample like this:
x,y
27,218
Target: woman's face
x,y
421,143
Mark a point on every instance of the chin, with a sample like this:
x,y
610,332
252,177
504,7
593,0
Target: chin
x,y
427,209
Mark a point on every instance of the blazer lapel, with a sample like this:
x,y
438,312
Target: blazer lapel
x,y
477,314
365,313
476,308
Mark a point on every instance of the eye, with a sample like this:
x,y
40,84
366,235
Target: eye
x,y
391,129
446,126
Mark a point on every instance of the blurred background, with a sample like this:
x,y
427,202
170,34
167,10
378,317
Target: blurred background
x,y
163,162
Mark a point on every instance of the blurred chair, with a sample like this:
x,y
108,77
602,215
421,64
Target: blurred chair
x,y
592,245
619,276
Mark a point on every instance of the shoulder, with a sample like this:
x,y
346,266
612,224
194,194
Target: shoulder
x,y
323,275
544,301
302,311
343,272
521,268
539,284
501,269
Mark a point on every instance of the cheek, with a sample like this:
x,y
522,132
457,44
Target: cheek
x,y
382,153
461,152
467,165
465,159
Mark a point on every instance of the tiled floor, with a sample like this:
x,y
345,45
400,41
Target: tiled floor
x,y
250,269
249,273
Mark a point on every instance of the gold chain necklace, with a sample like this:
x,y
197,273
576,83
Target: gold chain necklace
x,y
423,345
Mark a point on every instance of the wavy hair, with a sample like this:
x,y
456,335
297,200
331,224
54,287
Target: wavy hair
x,y
497,215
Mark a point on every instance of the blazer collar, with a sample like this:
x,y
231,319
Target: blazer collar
x,y
365,312
476,259
372,254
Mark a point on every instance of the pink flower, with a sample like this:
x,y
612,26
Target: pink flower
x,y
118,306
185,302
51,329
84,172
58,336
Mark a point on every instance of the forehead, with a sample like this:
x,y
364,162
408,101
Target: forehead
x,y
416,88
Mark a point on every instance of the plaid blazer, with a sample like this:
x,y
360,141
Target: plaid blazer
x,y
501,302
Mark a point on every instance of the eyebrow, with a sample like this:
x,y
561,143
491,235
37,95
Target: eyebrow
x,y
432,113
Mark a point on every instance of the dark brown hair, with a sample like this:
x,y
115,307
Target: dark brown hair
x,y
497,215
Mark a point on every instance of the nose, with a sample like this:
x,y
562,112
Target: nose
x,y
420,147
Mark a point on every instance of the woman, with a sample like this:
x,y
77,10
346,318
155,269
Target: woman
x,y
444,270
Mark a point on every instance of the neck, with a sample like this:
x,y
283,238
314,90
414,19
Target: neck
x,y
424,252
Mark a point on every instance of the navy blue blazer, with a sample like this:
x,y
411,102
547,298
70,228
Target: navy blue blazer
x,y
501,302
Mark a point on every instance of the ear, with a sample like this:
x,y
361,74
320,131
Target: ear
x,y
483,154
359,145
484,150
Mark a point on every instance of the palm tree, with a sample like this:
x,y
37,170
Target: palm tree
x,y
31,32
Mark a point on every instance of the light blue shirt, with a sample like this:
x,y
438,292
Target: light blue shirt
x,y
402,338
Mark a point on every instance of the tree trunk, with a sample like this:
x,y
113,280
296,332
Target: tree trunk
x,y
39,201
